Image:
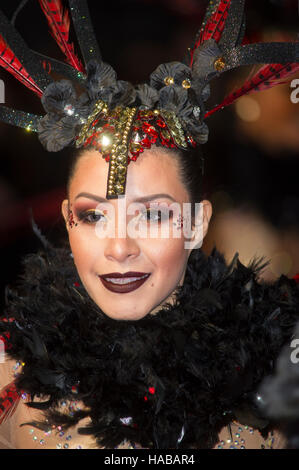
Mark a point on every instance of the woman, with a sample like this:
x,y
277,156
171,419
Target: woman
x,y
134,337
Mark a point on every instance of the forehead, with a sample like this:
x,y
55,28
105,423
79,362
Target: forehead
x,y
155,171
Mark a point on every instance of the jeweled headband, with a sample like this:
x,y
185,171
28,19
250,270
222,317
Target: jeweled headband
x,y
121,120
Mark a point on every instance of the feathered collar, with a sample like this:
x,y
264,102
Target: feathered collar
x,y
170,380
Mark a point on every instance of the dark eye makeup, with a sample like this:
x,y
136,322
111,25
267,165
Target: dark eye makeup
x,y
93,216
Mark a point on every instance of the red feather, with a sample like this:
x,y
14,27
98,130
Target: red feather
x,y
214,26
9,400
59,22
11,63
266,77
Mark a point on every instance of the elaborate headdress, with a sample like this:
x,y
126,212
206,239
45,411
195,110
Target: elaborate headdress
x,y
122,120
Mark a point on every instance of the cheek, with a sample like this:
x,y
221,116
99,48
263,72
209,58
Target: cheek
x,y
84,248
169,256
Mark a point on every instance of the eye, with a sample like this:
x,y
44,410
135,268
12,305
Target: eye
x,y
91,216
155,215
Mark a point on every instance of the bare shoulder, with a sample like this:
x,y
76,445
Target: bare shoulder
x,y
7,371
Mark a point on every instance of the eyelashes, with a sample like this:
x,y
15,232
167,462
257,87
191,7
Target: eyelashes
x,y
93,216
162,215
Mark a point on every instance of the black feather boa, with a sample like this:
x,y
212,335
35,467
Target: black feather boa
x,y
180,375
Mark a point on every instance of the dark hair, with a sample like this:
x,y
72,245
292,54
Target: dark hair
x,y
191,168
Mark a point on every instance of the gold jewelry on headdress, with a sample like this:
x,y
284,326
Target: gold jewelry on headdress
x,y
122,133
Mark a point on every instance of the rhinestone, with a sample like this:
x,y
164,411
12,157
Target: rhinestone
x,y
237,434
119,188
196,111
121,158
242,447
42,441
165,134
121,149
186,83
121,179
69,109
59,446
219,64
135,147
66,446
169,81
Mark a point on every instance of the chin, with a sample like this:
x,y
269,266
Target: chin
x,y
129,316
119,313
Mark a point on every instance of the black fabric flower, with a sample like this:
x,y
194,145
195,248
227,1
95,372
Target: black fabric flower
x,y
175,99
173,70
147,96
57,96
200,132
203,66
102,84
100,76
56,134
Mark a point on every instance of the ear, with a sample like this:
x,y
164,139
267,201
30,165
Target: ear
x,y
200,225
65,212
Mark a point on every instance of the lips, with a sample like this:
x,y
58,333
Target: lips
x,y
123,283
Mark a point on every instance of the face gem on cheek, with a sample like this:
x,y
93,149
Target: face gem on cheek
x,y
179,222
71,221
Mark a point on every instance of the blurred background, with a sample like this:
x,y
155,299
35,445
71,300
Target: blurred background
x,y
252,157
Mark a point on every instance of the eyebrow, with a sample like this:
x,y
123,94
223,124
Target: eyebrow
x,y
139,199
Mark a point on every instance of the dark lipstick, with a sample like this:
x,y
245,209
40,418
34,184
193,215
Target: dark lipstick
x,y
122,287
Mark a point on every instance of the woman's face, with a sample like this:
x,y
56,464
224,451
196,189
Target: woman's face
x,y
98,246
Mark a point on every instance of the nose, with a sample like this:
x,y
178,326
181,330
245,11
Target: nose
x,y
121,248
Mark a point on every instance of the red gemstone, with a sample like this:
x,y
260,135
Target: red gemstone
x,y
152,390
94,122
161,123
192,141
146,143
147,127
296,277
